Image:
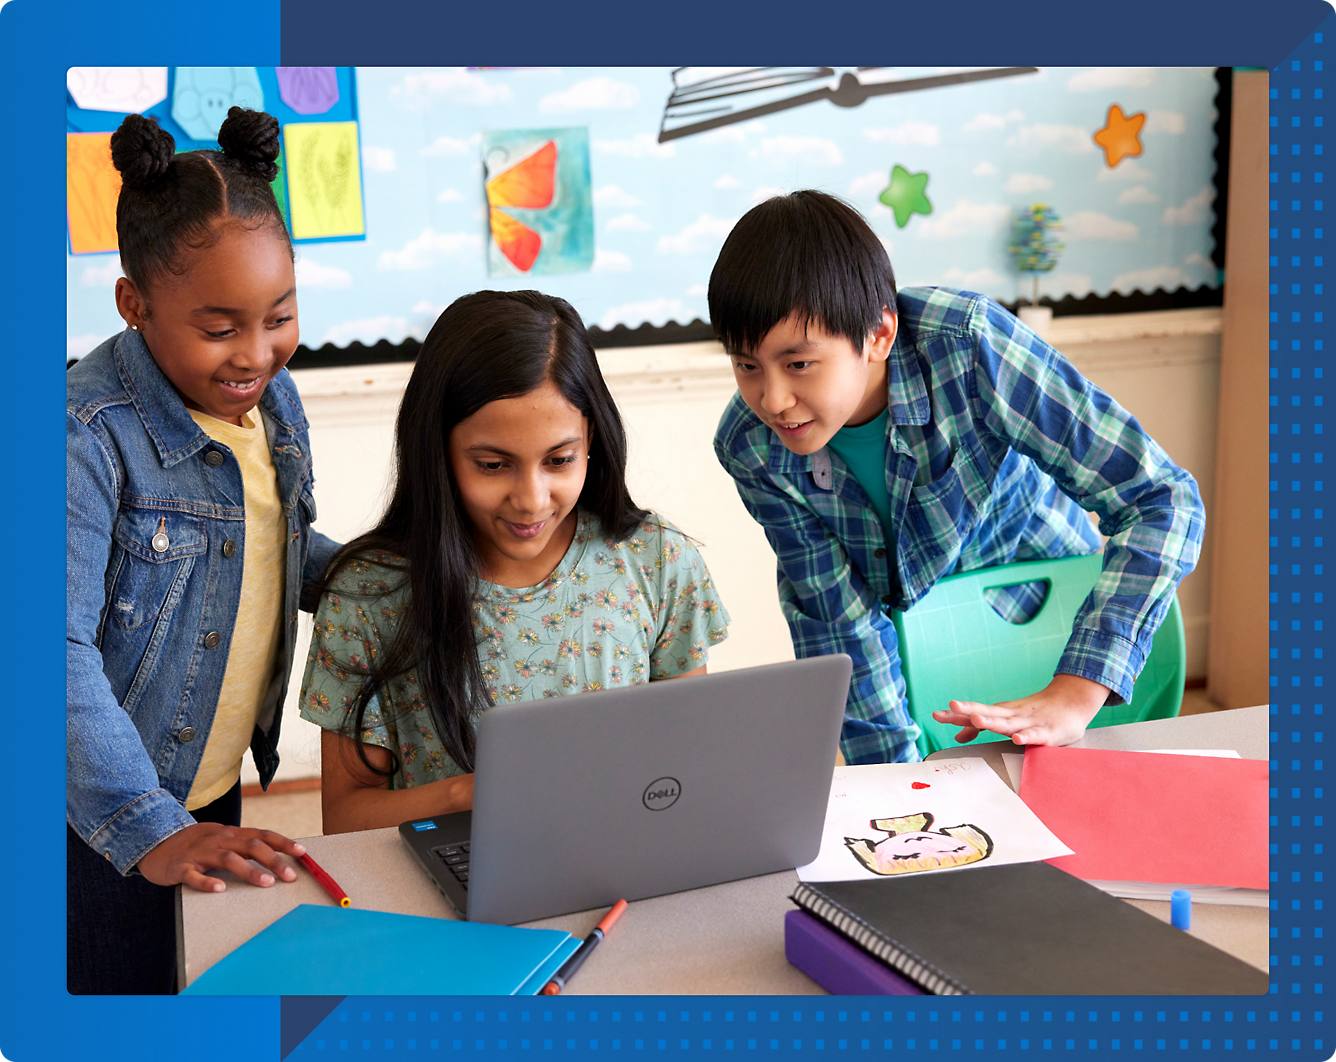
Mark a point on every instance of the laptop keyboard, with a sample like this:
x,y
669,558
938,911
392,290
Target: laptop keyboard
x,y
456,859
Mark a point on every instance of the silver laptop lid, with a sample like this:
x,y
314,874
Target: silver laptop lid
x,y
627,793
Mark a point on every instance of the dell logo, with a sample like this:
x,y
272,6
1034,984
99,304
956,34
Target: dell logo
x,y
662,793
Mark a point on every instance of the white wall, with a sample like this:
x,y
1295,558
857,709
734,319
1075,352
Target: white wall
x,y
1164,367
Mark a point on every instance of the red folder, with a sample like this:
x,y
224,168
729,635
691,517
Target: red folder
x,y
1142,816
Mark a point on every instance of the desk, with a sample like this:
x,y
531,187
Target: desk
x,y
726,940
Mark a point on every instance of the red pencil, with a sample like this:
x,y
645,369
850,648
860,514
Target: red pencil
x,y
326,882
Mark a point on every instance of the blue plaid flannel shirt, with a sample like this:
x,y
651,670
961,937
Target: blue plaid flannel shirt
x,y
995,444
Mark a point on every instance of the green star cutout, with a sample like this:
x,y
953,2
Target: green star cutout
x,y
905,195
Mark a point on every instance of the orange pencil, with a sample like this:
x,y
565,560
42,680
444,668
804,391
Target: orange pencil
x,y
326,882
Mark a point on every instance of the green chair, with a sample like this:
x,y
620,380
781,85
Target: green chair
x,y
954,646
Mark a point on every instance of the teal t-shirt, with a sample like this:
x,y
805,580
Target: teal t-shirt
x,y
863,451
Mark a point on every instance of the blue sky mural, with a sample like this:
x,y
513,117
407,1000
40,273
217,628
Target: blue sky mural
x,y
662,208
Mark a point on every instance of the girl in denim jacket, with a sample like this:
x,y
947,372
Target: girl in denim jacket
x,y
189,548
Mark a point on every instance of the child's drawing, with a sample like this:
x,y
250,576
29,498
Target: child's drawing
x,y
92,186
202,96
528,183
324,180
308,89
911,846
541,212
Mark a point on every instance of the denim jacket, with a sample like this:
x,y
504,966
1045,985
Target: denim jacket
x,y
148,628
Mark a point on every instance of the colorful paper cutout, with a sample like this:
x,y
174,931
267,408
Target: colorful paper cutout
x,y
1121,135
124,89
1133,816
905,195
92,187
308,89
540,201
202,96
324,180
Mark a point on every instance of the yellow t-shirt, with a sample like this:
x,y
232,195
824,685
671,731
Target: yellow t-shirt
x,y
258,628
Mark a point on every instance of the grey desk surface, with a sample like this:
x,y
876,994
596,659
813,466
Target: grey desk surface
x,y
726,939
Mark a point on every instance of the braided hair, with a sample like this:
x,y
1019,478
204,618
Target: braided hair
x,y
170,203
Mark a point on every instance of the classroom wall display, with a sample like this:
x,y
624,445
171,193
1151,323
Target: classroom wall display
x,y
539,199
324,180
190,103
116,88
92,186
202,96
939,161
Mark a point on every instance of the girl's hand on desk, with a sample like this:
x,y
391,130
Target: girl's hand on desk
x,y
1056,715
185,856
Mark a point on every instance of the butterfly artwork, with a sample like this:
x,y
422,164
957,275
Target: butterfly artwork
x,y
529,183
540,204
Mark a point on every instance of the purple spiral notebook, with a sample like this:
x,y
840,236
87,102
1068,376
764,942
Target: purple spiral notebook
x,y
840,967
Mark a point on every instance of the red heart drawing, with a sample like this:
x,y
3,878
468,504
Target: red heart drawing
x,y
919,785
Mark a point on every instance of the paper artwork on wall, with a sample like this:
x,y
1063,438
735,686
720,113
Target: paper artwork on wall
x,y
92,187
324,180
123,89
1121,135
540,202
202,96
905,195
308,89
935,816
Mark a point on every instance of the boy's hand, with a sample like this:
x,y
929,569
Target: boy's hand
x,y
183,858
1056,715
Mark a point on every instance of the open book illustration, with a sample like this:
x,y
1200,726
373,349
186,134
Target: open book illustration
x,y
705,98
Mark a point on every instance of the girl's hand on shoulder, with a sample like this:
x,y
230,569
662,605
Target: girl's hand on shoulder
x,y
186,856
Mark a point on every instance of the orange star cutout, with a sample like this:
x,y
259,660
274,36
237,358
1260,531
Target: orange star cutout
x,y
1121,136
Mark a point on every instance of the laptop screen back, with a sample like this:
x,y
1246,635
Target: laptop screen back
x,y
652,789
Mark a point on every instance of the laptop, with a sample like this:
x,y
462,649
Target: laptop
x,y
626,793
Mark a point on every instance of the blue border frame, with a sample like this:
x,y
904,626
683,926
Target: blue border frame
x,y
41,39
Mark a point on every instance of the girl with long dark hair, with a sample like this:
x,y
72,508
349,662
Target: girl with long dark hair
x,y
511,563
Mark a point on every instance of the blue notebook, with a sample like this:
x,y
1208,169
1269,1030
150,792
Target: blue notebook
x,y
316,950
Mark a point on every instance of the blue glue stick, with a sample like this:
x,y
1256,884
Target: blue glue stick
x,y
1180,909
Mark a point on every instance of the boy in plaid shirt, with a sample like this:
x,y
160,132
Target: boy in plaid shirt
x,y
886,440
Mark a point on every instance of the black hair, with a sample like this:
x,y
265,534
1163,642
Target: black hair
x,y
486,346
170,204
807,253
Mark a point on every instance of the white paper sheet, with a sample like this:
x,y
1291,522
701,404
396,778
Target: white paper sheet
x,y
1150,890
975,820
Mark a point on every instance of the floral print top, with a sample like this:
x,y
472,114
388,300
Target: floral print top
x,y
610,614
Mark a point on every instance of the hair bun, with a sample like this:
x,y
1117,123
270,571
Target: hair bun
x,y
251,137
142,150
